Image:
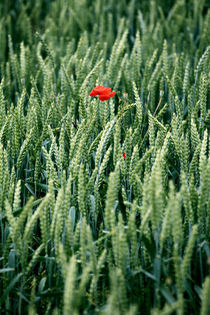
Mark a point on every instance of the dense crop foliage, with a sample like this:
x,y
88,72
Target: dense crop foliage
x,y
104,206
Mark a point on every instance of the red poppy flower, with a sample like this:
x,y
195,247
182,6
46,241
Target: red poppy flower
x,y
124,155
100,89
106,96
103,92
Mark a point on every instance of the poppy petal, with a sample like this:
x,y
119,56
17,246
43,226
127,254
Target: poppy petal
x,y
104,97
112,94
100,89
93,93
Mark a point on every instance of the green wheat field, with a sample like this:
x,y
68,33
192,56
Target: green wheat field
x,y
104,205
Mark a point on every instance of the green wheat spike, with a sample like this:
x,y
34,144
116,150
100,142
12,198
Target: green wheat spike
x,y
167,222
161,126
113,300
81,192
138,189
205,305
113,186
6,249
21,118
101,261
122,246
2,103
179,280
156,73
16,134
10,218
24,148
54,148
69,82
136,57
5,129
13,62
127,149
31,121
149,65
195,139
82,102
44,44
189,250
34,259
51,191
96,202
23,63
62,259
91,181
117,146
155,193
69,287
84,281
176,79
167,310
143,26
151,132
184,153
164,56
31,222
203,98
16,203
68,196
195,114
69,236
92,71
76,139
179,110
22,217
176,215
201,61
103,166
119,75
104,140
3,39
123,165
122,294
57,209
176,135
204,191
44,222
92,250
138,104
186,197
93,290
124,196
11,186
83,242
80,152
1,174
186,79
116,56
132,235
51,171
194,161
6,176
31,308
202,158
37,169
